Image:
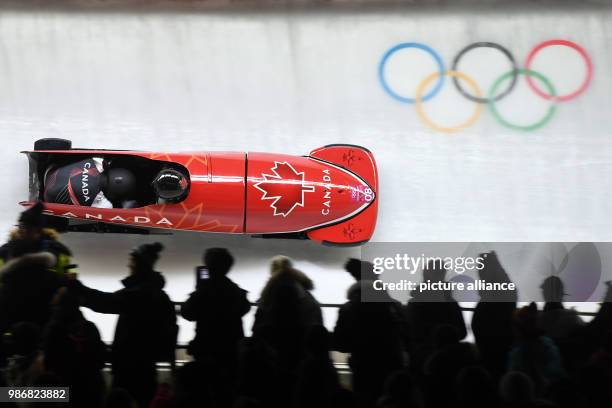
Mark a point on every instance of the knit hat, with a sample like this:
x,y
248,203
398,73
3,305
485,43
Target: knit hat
x,y
148,253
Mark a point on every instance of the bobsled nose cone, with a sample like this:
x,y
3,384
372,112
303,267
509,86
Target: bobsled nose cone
x,y
345,194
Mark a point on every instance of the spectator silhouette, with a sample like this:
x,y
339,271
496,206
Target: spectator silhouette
x,y
564,326
557,321
372,328
492,319
74,352
146,328
317,382
429,309
287,362
217,305
286,311
30,262
533,353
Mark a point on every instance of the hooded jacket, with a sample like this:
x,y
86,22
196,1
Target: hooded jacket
x,y
217,306
286,313
286,293
370,325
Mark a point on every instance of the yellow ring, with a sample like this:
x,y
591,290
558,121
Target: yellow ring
x,y
423,116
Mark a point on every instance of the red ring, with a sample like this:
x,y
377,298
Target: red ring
x,y
573,45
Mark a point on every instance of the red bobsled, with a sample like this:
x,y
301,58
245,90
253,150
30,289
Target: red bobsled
x,y
330,195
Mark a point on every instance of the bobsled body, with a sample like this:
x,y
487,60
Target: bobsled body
x,y
329,195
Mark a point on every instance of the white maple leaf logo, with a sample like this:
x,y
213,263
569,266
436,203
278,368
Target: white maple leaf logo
x,y
285,188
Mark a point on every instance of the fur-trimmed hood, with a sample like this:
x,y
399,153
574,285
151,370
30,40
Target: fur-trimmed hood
x,y
47,233
49,241
11,270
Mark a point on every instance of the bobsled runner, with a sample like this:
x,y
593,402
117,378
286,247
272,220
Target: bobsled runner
x,y
329,195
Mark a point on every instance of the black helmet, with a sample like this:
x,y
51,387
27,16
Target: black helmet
x,y
120,183
171,185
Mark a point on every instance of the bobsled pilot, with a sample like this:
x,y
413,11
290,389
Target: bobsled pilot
x,y
171,186
89,183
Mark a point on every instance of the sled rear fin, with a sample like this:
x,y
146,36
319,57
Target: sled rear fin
x,y
358,229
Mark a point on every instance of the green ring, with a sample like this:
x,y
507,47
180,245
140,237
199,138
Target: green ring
x,y
533,126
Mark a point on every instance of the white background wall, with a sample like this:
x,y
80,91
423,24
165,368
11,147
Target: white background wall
x,y
292,80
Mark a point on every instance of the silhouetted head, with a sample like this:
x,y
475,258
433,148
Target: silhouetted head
x,y
360,270
353,267
493,272
145,256
118,183
280,264
552,289
171,185
219,261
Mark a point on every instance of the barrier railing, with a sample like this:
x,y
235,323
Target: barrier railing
x,y
179,346
177,306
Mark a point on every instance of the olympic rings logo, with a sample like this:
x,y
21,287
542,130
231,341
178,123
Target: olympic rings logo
x,y
500,88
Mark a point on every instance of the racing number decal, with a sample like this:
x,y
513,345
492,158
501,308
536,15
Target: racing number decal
x,y
366,194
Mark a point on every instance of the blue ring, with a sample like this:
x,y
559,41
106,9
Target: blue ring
x,y
423,47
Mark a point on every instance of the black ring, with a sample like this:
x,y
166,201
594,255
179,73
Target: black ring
x,y
488,45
